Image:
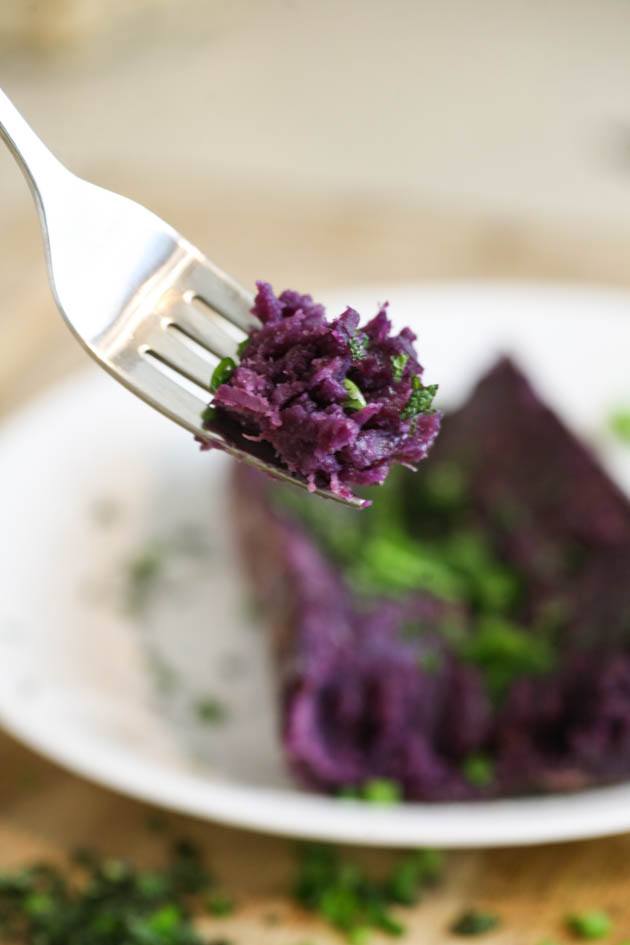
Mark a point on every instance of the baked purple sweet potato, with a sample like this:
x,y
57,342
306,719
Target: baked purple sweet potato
x,y
470,635
338,404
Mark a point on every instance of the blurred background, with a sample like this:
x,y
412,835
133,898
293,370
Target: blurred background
x,y
327,143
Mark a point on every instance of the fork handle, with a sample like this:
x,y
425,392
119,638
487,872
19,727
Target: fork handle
x,y
39,165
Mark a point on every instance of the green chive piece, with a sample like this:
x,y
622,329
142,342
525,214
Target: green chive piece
x,y
420,399
474,922
220,906
478,769
208,415
358,345
242,347
399,362
619,424
355,400
595,923
222,373
381,791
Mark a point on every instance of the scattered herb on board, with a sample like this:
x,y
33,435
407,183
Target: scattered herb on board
x,y
594,923
475,922
109,902
219,905
344,896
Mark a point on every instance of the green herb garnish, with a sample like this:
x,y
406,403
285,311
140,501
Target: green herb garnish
x,y
145,570
219,905
208,415
355,399
399,362
381,791
504,651
210,711
474,922
358,345
222,373
591,924
242,347
478,770
349,900
420,399
110,902
619,424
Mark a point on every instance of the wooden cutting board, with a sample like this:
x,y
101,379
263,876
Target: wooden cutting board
x,y
311,245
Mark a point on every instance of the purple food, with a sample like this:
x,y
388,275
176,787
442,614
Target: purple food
x,y
467,637
338,404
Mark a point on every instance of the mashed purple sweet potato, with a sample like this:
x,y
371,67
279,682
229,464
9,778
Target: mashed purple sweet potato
x,y
470,635
338,403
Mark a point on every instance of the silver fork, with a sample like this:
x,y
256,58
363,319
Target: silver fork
x,y
144,302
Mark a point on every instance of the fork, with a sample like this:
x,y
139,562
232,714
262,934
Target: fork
x,y
144,302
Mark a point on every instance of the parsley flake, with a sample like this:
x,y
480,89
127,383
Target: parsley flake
x,y
355,399
358,345
222,373
399,362
420,399
474,922
592,924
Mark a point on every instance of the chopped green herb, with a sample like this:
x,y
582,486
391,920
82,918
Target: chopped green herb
x,y
242,347
399,362
409,877
145,571
591,924
222,373
504,651
358,345
111,902
478,770
474,922
420,399
356,400
350,901
220,905
208,415
381,791
619,423
210,711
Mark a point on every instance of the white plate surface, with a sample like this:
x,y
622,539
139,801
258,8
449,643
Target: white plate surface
x,y
92,479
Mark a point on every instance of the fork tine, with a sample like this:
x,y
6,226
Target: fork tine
x,y
206,328
224,295
172,348
163,392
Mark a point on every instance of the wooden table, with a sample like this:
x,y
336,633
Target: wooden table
x,y
44,811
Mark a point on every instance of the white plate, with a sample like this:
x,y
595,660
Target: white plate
x,y
112,697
